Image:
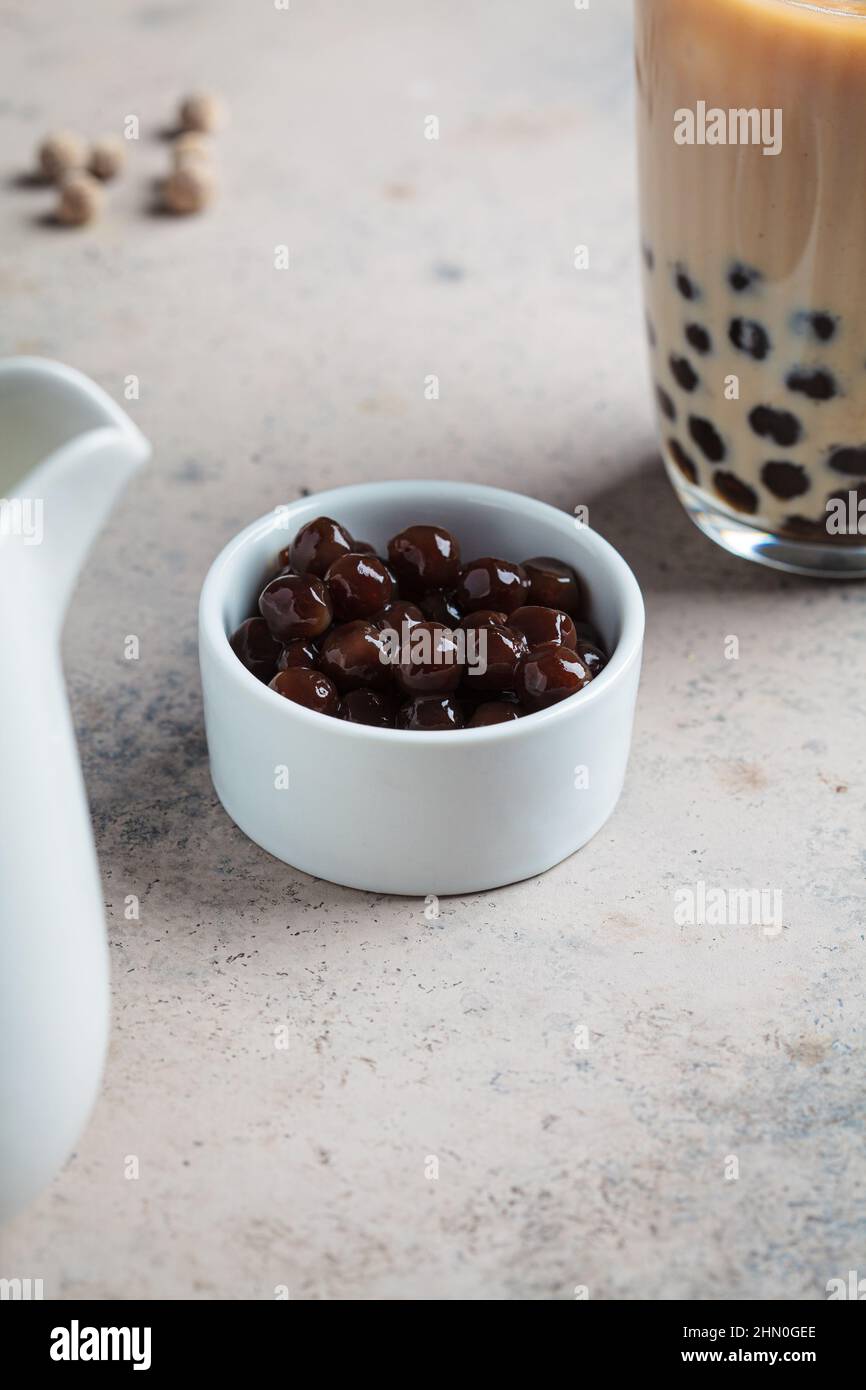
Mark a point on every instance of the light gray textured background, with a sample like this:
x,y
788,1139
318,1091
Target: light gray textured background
x,y
409,1038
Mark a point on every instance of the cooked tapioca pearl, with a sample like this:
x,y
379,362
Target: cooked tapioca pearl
x,y
666,405
548,675
592,656
541,625
735,492
431,713
683,372
553,584
779,425
743,277
685,464
424,558
484,617
750,337
369,707
254,645
586,632
363,548
698,337
492,654
785,479
493,712
397,613
359,586
818,385
353,655
849,460
440,607
308,688
297,653
491,583
296,605
819,325
707,438
317,545
686,286
429,661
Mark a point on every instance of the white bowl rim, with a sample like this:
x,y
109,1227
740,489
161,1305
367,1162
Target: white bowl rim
x,y
628,591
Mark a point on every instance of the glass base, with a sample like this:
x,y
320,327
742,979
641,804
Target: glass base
x,y
752,543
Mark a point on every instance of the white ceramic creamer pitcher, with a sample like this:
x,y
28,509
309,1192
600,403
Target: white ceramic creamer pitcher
x,y
66,451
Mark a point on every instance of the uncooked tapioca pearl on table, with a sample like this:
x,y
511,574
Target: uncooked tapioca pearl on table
x,y
107,157
189,188
202,111
80,200
60,154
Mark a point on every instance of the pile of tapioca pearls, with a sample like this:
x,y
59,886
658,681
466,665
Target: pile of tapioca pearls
x,y
80,169
325,619
771,423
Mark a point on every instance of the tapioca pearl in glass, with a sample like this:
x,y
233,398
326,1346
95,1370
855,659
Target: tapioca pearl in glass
x,y
429,662
309,688
493,712
850,460
785,480
430,714
735,492
297,653
540,625
819,325
698,338
256,648
359,586
548,675
424,558
816,383
683,373
684,283
683,461
707,438
296,605
492,655
665,403
742,278
750,337
318,544
354,655
553,584
781,426
440,606
376,709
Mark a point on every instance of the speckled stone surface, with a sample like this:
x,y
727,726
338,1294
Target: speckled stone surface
x,y
309,1166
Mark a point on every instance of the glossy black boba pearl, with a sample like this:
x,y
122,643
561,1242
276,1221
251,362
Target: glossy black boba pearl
x,y
735,492
431,713
363,548
493,712
684,463
484,617
550,674
309,688
492,655
369,707
683,372
359,586
591,654
784,479
296,605
743,277
429,662
397,614
817,384
439,606
849,460
750,337
297,653
666,405
553,584
424,558
698,338
353,655
779,425
707,438
684,283
253,644
815,324
542,625
317,545
492,583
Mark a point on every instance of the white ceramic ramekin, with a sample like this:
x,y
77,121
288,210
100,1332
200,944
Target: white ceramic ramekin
x,y
393,811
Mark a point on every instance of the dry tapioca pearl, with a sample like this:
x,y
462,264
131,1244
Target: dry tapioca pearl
x,y
309,688
682,460
553,584
317,545
548,675
707,438
353,655
429,661
359,586
686,286
256,647
491,583
784,479
493,712
743,277
424,558
666,405
698,337
683,372
818,324
440,607
735,492
818,385
849,460
779,425
431,713
541,625
750,337
369,707
296,605
297,653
